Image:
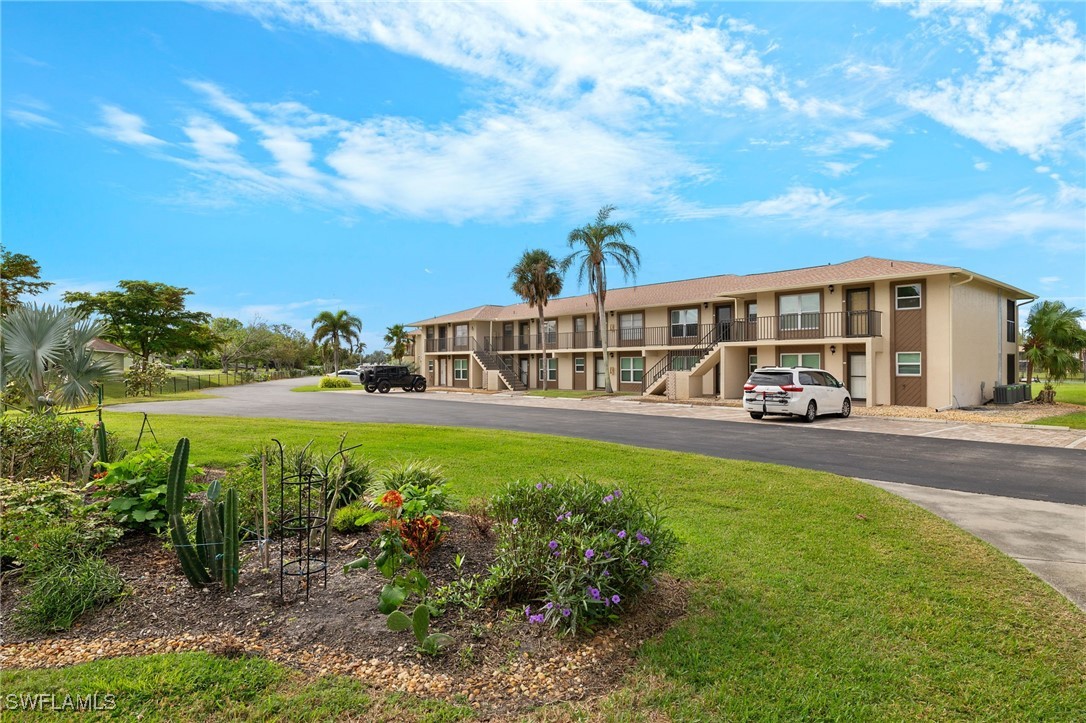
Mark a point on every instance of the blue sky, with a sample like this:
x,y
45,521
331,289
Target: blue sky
x,y
395,160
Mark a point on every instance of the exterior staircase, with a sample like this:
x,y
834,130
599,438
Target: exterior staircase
x,y
492,362
708,349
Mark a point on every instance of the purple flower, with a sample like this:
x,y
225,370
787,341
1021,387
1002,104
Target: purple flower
x,y
607,554
607,573
608,498
589,554
534,619
617,494
642,539
606,603
594,593
621,534
616,599
516,520
527,611
644,563
557,553
553,544
548,606
563,516
539,485
565,612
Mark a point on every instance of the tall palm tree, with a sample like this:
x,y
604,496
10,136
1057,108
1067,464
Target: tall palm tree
x,y
336,328
1054,340
536,280
45,353
396,338
594,246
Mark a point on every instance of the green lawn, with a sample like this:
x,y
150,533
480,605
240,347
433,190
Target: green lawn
x,y
1074,420
814,596
1071,392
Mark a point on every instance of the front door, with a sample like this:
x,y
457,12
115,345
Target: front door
x,y
525,335
507,336
580,332
724,316
601,373
857,308
441,339
525,371
857,375
443,379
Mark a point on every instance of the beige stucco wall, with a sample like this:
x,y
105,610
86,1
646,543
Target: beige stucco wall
x,y
937,360
978,333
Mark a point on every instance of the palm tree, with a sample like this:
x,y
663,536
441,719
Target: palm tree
x,y
46,355
397,338
595,245
1054,340
336,327
536,280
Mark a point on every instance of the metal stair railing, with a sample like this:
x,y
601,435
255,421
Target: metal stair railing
x,y
493,362
713,337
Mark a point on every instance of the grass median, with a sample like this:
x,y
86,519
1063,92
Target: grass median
x,y
814,596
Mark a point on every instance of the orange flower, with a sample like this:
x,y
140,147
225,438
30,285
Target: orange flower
x,y
391,499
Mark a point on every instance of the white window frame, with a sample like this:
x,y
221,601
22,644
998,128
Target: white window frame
x,y
552,370
752,363
578,365
898,298
628,331
460,370
803,318
684,322
550,328
800,356
898,364
631,369
752,311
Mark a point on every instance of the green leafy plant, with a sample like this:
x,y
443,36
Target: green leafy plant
x,y
136,488
29,508
335,383
419,473
574,551
144,378
355,517
43,445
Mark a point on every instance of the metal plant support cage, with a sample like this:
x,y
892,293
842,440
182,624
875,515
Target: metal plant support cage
x,y
302,493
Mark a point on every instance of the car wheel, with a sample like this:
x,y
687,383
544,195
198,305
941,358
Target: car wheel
x,y
812,412
420,385
384,386
371,388
756,415
406,388
846,409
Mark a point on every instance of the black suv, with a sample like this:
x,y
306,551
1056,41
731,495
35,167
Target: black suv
x,y
382,377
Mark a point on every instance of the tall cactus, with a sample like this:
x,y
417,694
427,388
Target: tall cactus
x,y
191,565
103,449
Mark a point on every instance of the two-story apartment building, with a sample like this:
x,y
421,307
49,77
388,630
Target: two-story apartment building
x,y
897,332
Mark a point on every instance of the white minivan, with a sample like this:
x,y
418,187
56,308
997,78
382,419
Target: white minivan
x,y
795,392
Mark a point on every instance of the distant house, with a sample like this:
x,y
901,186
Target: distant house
x,y
896,332
119,358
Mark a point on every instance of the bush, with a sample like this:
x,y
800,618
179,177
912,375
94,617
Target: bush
x,y
30,507
136,488
355,516
420,474
43,445
335,383
575,552
144,378
67,580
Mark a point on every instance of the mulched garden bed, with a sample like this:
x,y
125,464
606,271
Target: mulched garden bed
x,y
499,664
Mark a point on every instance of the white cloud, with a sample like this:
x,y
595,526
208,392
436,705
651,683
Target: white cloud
x,y
982,165
29,119
211,141
125,127
1028,90
1049,280
837,168
850,140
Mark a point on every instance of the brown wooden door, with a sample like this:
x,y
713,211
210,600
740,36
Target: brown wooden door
x,y
857,308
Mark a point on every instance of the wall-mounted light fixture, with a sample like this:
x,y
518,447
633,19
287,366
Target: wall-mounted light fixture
x,y
705,305
833,348
831,288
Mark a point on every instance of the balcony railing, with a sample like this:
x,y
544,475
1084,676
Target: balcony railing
x,y
786,327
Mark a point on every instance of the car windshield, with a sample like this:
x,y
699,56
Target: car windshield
x,y
770,379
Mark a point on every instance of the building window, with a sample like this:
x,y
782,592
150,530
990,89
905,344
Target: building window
x,y
908,363
907,297
799,311
684,322
430,367
460,336
578,365
1012,325
550,328
752,363
684,363
552,370
460,370
752,311
814,361
631,369
631,327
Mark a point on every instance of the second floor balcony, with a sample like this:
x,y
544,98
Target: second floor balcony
x,y
785,327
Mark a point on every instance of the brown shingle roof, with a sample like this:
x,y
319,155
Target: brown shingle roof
x,y
708,288
101,345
